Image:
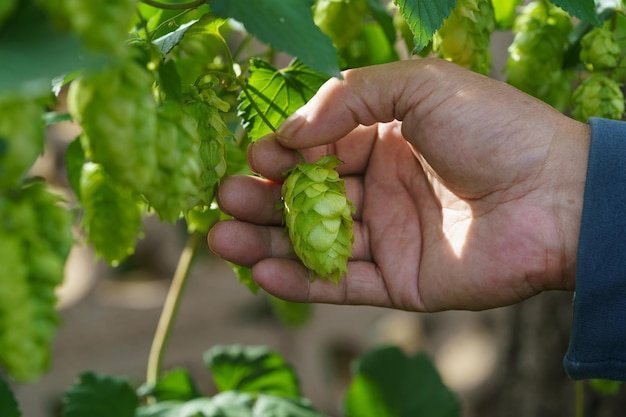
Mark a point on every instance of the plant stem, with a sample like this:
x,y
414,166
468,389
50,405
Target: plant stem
x,y
175,6
579,397
170,308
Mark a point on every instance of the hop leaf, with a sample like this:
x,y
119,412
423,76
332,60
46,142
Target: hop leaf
x,y
318,216
598,96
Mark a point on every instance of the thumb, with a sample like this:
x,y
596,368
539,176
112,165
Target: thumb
x,y
379,93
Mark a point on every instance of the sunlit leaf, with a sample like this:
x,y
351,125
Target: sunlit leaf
x,y
252,369
272,95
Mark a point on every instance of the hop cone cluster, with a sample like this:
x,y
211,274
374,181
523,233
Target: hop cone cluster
x,y
535,63
341,20
21,138
35,239
464,37
318,216
598,96
599,49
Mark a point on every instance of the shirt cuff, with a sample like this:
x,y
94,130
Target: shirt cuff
x,y
597,347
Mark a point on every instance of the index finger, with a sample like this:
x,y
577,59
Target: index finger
x,y
270,159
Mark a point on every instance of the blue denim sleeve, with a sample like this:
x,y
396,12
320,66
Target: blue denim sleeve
x,y
597,346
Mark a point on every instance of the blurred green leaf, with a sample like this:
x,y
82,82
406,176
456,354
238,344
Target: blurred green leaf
x,y
605,386
74,160
8,404
252,369
273,95
505,11
381,14
244,275
33,52
388,383
175,385
267,405
95,395
291,314
286,25
424,17
226,404
585,10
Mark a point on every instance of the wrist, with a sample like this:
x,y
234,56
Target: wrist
x,y
571,149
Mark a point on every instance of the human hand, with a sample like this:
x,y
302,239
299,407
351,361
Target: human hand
x,y
468,192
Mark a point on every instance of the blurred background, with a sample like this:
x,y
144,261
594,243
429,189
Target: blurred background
x,y
504,361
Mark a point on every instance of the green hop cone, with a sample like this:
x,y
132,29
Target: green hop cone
x,y
318,216
539,46
118,114
35,239
599,49
341,20
464,37
205,106
21,138
112,216
176,185
598,96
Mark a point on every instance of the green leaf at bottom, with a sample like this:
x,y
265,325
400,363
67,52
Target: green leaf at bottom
x,y
388,383
8,404
95,395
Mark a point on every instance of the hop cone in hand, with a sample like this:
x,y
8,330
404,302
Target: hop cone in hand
x,y
318,216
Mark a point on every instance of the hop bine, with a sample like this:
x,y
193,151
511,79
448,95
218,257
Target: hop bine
x,y
318,216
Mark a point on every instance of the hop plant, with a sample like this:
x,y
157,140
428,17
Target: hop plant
x,y
341,20
599,49
464,37
21,137
318,216
35,239
112,215
598,96
536,55
118,114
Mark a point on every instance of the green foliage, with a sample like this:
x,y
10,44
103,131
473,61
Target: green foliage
x,y
287,25
8,404
251,369
96,395
389,383
272,95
